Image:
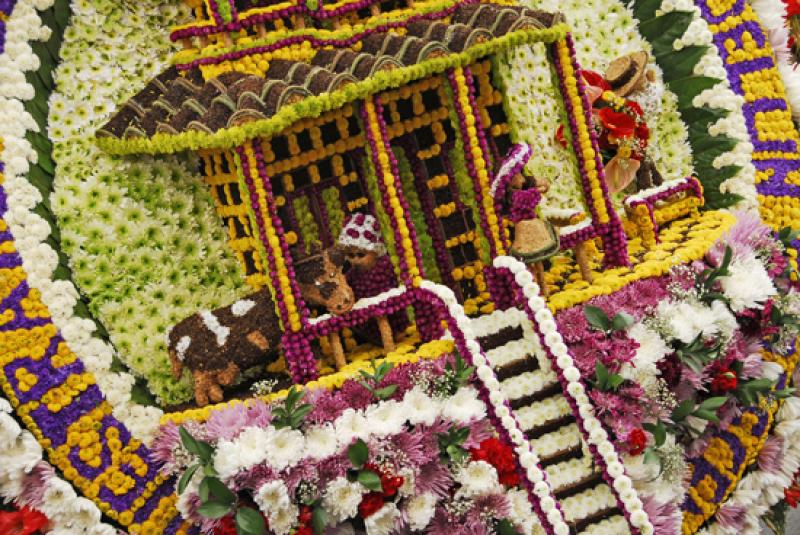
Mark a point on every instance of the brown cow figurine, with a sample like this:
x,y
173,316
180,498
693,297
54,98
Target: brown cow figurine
x,y
217,345
324,284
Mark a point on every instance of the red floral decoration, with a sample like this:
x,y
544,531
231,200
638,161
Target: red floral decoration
x,y
724,381
637,442
501,457
619,124
22,522
370,504
792,7
595,79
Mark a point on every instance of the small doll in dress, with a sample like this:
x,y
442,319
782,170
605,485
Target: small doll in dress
x,y
517,195
371,273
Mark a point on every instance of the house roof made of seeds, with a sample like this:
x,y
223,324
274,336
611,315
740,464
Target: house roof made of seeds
x,y
180,110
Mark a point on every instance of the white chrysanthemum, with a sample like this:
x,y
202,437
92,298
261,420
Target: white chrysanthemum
x,y
285,448
652,348
521,511
420,510
477,477
420,407
351,425
464,406
272,496
386,418
283,520
686,320
382,521
321,441
82,513
57,498
251,447
342,498
748,284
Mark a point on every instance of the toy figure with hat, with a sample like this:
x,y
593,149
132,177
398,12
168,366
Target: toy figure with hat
x,y
371,273
518,194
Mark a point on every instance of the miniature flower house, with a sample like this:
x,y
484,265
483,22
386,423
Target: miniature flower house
x,y
303,114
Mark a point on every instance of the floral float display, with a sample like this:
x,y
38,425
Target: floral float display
x,y
172,362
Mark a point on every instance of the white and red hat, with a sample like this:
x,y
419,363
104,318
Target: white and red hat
x,y
516,158
361,231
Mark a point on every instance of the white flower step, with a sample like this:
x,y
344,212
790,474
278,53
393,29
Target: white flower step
x,y
528,383
588,502
616,525
559,440
541,412
569,472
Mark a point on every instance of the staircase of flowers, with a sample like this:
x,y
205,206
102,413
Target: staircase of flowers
x,y
535,395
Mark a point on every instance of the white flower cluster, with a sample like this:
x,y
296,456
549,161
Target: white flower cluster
x,y
145,245
720,96
31,231
687,319
20,453
528,460
284,448
597,436
747,285
761,489
771,14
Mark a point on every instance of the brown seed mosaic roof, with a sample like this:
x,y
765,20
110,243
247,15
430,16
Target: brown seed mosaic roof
x,y
176,102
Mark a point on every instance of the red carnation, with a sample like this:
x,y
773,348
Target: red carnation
x,y
370,504
792,7
643,133
595,79
391,484
501,457
637,441
509,479
792,495
724,381
633,105
304,530
305,514
620,124
23,522
560,138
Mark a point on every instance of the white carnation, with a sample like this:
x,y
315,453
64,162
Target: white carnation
x,y
652,348
686,320
420,510
464,406
251,447
478,477
272,496
342,498
386,418
420,408
351,425
382,522
284,448
321,442
748,284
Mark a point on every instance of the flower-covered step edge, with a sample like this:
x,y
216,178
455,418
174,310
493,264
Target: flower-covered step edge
x,y
591,430
536,397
